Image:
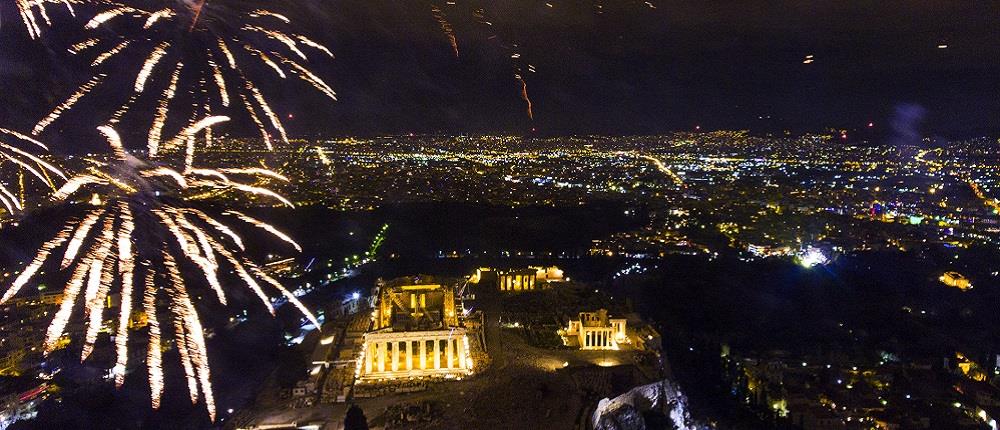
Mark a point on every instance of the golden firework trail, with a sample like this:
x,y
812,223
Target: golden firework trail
x,y
156,131
68,103
149,64
108,54
310,43
256,120
256,171
118,248
183,44
19,150
27,8
267,60
308,76
81,46
266,227
220,82
261,12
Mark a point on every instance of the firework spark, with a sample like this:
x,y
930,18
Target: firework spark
x,y
118,248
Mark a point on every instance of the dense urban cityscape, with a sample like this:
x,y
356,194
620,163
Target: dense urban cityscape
x,y
796,207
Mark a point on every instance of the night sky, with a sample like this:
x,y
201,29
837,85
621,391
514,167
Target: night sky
x,y
631,69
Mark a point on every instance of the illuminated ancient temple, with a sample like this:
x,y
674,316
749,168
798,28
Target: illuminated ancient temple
x,y
595,330
415,332
518,280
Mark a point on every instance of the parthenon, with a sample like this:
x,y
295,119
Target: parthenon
x,y
415,332
391,355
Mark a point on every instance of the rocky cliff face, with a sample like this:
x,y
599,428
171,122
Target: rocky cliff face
x,y
629,410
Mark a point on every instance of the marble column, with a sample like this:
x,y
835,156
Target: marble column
x,y
409,355
369,353
395,356
460,345
423,354
437,353
380,351
448,351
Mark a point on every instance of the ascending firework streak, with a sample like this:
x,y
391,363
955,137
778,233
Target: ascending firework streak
x,y
524,95
18,148
26,8
143,245
185,44
446,28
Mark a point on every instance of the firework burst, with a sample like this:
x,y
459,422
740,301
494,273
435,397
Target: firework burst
x,y
144,242
211,52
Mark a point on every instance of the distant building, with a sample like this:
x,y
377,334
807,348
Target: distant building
x,y
595,330
513,280
815,417
955,279
41,299
321,354
547,274
415,332
648,338
286,267
349,304
517,280
10,363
